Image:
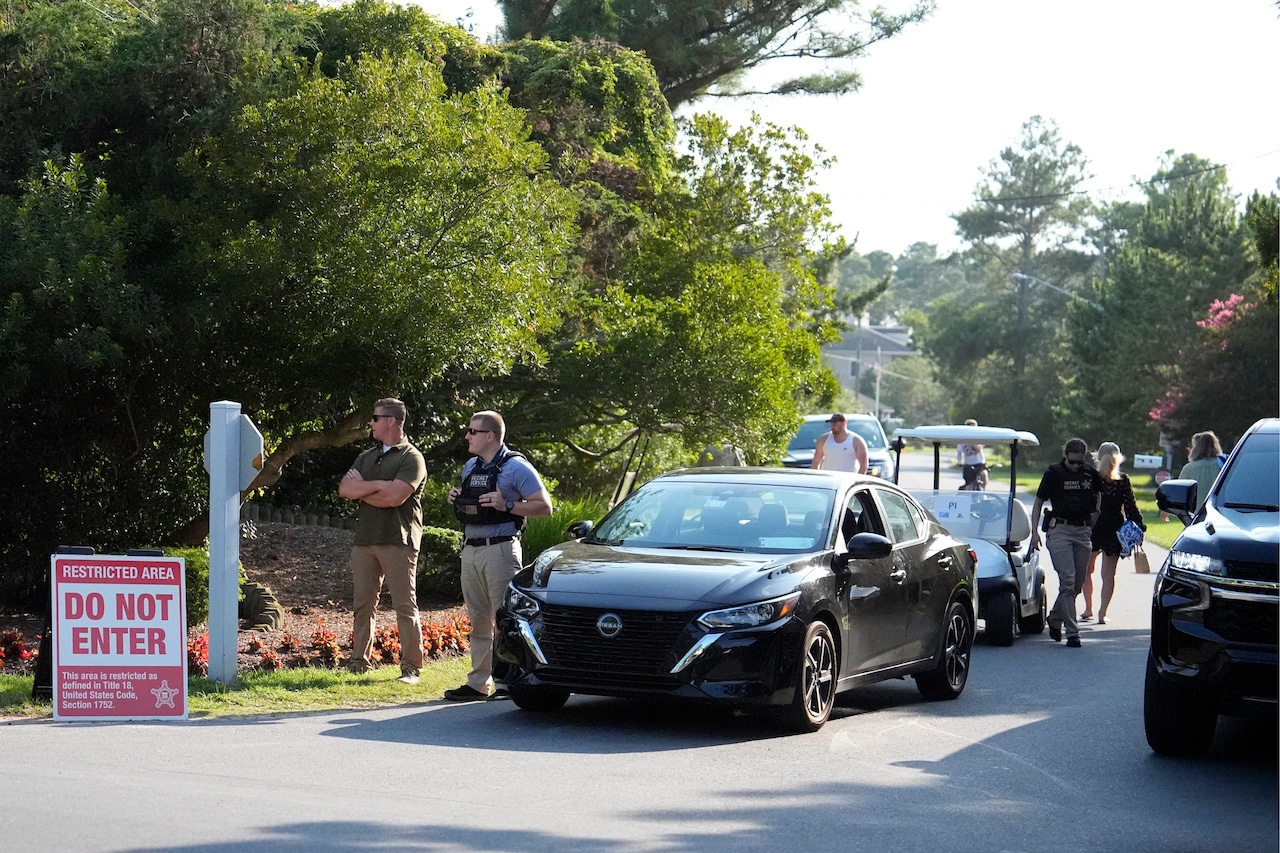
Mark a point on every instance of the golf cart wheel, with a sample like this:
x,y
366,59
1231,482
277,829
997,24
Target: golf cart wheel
x,y
1034,624
1000,613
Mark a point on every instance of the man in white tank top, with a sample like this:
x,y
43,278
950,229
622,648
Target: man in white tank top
x,y
840,450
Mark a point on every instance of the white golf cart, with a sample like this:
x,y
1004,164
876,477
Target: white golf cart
x,y
1011,592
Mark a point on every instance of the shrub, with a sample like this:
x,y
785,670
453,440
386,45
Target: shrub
x,y
196,561
543,532
198,655
325,644
439,572
16,653
386,645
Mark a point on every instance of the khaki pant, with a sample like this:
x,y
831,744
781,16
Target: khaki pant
x,y
399,565
1069,548
486,572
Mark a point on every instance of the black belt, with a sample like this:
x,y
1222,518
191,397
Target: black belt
x,y
1068,521
491,540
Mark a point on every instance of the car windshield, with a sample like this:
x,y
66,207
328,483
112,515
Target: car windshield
x,y
719,516
809,432
1254,479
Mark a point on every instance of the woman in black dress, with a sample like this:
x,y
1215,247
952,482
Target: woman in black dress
x,y
1118,505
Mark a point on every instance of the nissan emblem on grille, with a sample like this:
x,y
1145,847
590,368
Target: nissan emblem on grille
x,y
609,625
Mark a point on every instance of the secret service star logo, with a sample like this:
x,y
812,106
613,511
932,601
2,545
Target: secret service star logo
x,y
164,694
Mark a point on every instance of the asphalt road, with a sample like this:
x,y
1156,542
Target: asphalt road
x,y
1043,751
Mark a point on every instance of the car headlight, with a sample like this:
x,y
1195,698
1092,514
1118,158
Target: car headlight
x,y
1198,563
751,615
524,606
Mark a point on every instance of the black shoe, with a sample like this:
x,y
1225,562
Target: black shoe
x,y
1073,642
465,693
1055,632
499,693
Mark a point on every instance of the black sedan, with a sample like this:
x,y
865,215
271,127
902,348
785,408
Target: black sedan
x,y
761,588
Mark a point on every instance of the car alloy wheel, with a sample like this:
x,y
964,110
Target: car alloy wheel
x,y
947,679
815,681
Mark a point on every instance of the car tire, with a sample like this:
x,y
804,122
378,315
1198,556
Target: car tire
x,y
1000,612
1178,719
816,677
538,699
1034,624
949,676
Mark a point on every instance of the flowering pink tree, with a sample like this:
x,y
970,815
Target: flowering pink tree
x,y
1228,372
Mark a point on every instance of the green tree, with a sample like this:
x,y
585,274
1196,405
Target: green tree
x,y
299,242
919,277
997,342
708,47
1179,252
709,327
907,386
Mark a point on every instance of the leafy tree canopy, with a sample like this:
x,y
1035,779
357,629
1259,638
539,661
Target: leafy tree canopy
x,y
707,47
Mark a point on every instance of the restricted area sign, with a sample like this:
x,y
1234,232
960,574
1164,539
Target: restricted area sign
x,y
119,638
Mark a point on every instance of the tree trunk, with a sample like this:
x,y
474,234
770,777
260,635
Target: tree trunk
x,y
345,431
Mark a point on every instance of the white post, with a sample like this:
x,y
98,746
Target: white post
x,y
222,459
877,383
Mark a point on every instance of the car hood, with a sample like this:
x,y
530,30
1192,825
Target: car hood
x,y
1234,536
587,575
798,458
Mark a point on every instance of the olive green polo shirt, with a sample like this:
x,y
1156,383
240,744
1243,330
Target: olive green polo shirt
x,y
401,525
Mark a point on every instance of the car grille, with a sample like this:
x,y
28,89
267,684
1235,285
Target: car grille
x,y
640,656
1246,571
1243,621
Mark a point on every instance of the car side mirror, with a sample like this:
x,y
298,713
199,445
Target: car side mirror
x,y
580,529
868,546
1178,498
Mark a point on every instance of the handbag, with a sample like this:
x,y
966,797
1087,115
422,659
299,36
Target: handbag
x,y
1140,563
1130,537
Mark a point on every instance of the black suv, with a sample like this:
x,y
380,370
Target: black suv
x,y
1214,612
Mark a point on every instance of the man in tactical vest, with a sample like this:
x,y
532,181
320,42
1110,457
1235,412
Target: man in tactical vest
x,y
387,481
499,490
1074,489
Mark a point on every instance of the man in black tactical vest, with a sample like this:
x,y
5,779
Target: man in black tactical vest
x,y
500,489
1073,487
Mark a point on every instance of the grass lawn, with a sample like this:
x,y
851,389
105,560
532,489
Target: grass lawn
x,y
306,689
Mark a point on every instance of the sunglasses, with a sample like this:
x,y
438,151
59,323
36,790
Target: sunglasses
x,y
1074,463
471,431
377,418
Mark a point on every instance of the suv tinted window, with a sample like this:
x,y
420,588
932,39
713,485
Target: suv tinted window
x,y
1254,479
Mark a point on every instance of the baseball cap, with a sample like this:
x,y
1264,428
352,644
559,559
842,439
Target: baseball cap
x,y
836,417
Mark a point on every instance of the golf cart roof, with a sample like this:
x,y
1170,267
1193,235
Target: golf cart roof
x,y
962,433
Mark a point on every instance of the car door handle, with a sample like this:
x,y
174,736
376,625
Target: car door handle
x,y
899,576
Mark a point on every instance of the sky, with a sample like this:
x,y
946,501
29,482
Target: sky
x,y
1125,80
